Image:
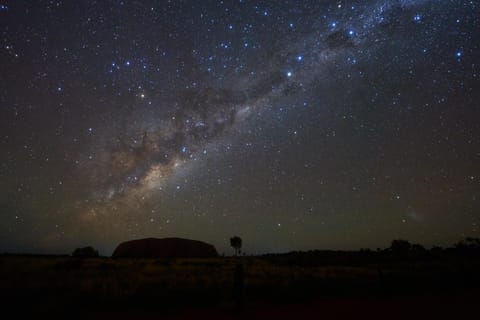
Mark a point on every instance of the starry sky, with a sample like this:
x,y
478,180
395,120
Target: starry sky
x,y
296,125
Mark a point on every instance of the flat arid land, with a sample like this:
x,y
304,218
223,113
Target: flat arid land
x,y
333,284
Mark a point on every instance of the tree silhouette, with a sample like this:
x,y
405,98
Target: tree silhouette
x,y
236,243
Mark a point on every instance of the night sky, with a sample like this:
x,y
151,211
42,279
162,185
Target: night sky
x,y
295,125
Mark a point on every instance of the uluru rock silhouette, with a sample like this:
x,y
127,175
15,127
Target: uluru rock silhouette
x,y
164,248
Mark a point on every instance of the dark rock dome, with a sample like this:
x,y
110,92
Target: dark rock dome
x,y
164,248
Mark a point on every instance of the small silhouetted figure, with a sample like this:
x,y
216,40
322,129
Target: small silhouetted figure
x,y
238,287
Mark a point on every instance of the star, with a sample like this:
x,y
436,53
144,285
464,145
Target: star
x,y
236,116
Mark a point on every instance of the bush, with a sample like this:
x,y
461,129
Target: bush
x,y
86,252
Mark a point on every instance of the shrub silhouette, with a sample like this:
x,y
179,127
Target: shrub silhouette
x,y
403,248
417,249
86,252
468,245
400,247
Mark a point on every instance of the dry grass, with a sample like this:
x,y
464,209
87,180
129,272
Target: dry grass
x,y
166,282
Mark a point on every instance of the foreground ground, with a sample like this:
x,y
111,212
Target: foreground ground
x,y
280,287
455,306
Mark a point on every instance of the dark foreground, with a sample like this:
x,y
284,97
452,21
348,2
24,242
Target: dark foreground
x,y
327,285
459,306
